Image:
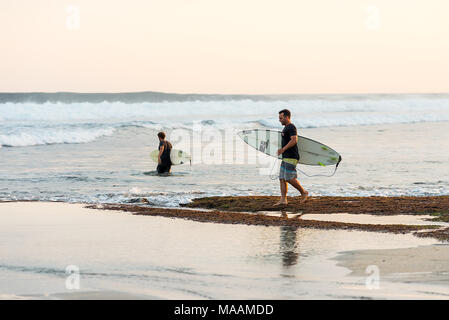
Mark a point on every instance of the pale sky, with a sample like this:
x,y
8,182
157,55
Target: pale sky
x,y
225,46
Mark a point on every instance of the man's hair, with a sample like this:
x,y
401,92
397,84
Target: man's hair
x,y
285,112
161,135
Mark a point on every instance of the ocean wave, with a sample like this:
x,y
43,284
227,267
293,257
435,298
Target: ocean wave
x,y
344,120
127,97
153,96
211,111
21,137
27,124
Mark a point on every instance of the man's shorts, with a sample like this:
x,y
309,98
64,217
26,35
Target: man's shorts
x,y
287,171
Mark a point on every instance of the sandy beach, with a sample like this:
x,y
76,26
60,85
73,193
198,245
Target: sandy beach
x,y
424,264
127,255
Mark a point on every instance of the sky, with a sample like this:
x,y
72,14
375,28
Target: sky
x,y
225,46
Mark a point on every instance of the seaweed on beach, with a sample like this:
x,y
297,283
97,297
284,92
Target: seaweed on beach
x,y
227,217
327,205
250,211
440,234
439,217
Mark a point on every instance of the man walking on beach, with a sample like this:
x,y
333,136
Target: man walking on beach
x,y
164,162
290,158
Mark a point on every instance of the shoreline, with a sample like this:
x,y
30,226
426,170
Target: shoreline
x,y
376,205
250,211
259,211
256,219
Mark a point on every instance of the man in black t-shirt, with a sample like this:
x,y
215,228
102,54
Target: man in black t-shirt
x,y
164,162
290,158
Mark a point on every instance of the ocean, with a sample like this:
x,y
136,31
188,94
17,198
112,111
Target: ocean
x,y
94,148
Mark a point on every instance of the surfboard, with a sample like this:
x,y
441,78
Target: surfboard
x,y
176,156
311,152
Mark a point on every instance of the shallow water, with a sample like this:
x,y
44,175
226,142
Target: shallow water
x,y
99,152
157,257
392,159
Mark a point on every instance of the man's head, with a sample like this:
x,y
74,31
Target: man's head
x,y
284,116
161,135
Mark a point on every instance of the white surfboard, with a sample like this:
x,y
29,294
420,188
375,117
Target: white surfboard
x,y
176,156
311,152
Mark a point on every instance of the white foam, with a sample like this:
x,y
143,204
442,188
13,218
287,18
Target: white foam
x,y
351,119
391,109
42,136
35,124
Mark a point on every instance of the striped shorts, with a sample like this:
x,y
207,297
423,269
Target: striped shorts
x,y
287,171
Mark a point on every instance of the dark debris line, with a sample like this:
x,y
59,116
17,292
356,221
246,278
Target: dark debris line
x,y
231,210
353,205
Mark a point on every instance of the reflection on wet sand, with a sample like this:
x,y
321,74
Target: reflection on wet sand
x,y
289,248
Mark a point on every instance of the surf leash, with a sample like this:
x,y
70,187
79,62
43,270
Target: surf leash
x,y
275,164
321,175
276,175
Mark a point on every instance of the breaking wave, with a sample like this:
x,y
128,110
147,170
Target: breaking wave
x,y
32,123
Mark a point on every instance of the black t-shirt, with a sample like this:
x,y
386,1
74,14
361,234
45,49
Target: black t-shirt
x,y
165,156
287,133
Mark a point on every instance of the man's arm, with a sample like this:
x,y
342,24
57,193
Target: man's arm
x,y
161,150
291,143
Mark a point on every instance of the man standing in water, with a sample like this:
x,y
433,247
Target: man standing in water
x,y
164,162
290,158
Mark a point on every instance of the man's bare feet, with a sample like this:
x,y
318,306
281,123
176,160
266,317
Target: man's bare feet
x,y
303,197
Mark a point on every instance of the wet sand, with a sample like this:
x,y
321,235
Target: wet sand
x,y
147,253
420,264
253,211
227,217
